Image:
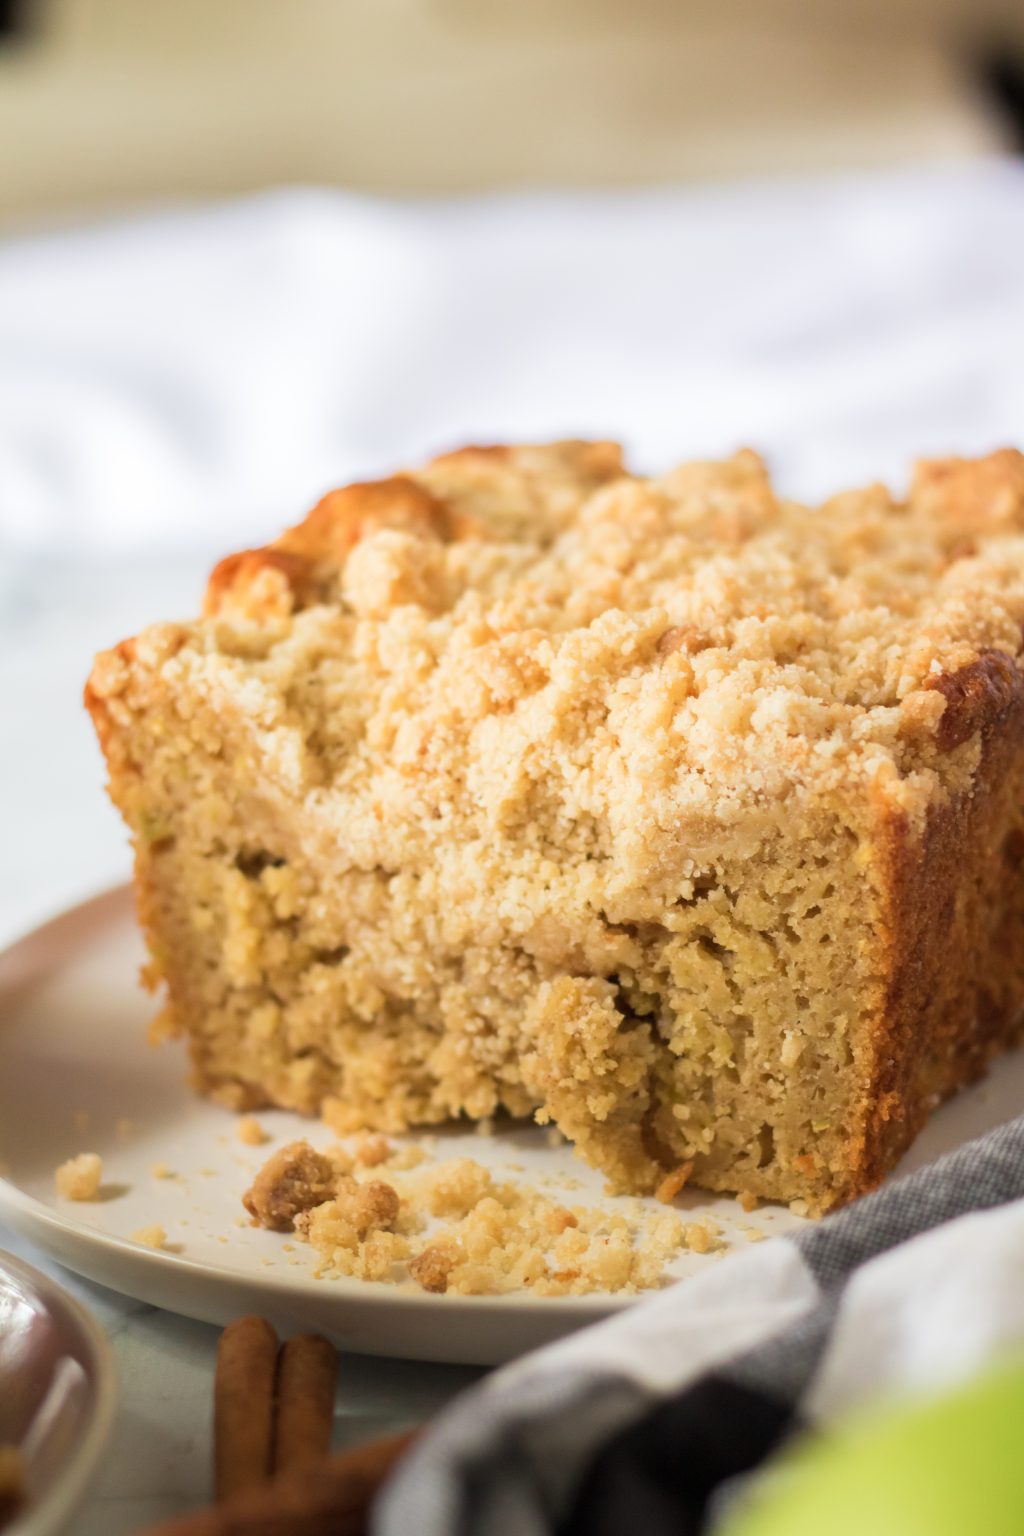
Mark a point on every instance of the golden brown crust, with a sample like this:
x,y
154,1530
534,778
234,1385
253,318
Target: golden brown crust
x,y
343,517
983,495
591,463
297,568
954,928
977,696
108,671
261,583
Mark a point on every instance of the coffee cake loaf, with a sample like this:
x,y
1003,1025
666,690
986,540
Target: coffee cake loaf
x,y
681,816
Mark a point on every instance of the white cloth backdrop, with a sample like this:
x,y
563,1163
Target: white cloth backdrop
x,y
183,383
197,377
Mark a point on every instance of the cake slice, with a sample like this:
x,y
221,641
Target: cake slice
x,y
678,815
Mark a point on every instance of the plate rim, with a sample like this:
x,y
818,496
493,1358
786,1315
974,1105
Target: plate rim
x,y
121,891
35,1211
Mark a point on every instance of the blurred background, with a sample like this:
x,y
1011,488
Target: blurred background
x,y
115,100
249,249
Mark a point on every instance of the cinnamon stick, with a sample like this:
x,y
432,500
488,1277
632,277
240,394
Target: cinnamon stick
x,y
243,1406
307,1369
333,1498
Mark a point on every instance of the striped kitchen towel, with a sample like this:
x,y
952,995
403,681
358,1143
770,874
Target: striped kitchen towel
x,y
644,1422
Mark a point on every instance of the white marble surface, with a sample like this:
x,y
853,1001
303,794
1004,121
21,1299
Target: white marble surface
x,y
61,841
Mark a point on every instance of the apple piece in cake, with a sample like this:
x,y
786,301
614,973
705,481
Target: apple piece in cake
x,y
674,813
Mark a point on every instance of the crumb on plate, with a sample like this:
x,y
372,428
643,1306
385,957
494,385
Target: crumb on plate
x,y
702,1236
370,1151
453,1227
250,1133
152,1236
294,1180
80,1177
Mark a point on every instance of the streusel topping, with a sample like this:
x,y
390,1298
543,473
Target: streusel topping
x,y
618,654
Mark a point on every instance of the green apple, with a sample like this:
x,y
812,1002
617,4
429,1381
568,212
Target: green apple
x,y
950,1466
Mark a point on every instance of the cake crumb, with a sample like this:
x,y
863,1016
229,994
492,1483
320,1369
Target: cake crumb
x,y
79,1178
799,1207
161,1027
701,1236
406,1158
558,1220
250,1132
160,1171
367,1207
672,1183
371,1151
747,1201
294,1180
454,1189
432,1267
152,1236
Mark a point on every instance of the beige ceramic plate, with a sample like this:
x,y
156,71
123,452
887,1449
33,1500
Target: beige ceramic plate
x,y
78,1075
57,1394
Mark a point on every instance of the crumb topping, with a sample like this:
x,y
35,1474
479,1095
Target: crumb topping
x,y
529,649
